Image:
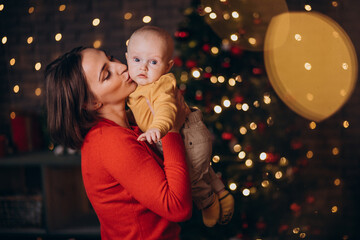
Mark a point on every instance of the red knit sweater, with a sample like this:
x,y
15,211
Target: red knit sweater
x,y
135,194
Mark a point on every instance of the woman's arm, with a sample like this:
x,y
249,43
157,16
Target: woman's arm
x,y
165,191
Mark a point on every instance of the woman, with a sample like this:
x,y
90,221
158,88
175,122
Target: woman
x,y
135,193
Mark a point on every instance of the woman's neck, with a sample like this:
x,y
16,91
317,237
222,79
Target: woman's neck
x,y
115,114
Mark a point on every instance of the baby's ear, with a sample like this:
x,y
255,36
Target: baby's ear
x,y
126,55
170,65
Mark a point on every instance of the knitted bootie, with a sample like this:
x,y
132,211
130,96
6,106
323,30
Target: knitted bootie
x,y
211,213
226,201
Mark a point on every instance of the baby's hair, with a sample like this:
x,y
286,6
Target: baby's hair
x,y
159,32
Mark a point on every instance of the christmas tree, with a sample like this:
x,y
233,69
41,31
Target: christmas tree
x,y
257,148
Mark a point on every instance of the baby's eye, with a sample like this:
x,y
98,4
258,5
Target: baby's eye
x,y
136,60
153,62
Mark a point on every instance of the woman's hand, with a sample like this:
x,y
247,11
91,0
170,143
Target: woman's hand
x,y
181,111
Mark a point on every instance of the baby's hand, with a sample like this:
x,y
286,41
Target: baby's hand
x,y
152,135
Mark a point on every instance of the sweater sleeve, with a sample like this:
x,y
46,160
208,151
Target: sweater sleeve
x,y
164,103
165,191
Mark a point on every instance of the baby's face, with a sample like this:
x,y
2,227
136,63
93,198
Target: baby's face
x,y
147,58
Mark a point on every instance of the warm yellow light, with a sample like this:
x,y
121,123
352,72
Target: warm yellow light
x,y
256,104
246,192
232,82
298,37
262,156
312,125
31,10
214,50
226,16
270,121
267,99
337,182
195,73
334,209
235,14
207,9
216,159
245,107
234,37
302,235
226,103
213,79
212,15
252,41
253,126
217,109
38,91
242,155
12,115
265,183
307,7
335,151
96,22
29,40
238,106
238,78
146,19
1,7
4,40
345,66
58,37
334,3
346,124
309,154
62,7
307,66
128,16
243,130
249,163
296,230
12,61
232,186
278,175
283,161
237,148
184,77
16,89
37,66
221,79
97,44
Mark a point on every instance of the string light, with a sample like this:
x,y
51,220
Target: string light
x,y
217,109
253,126
29,40
213,79
232,82
207,9
62,7
307,7
1,7
195,73
16,89
226,16
265,183
96,22
245,107
232,186
221,79
334,209
309,154
12,61
312,125
242,155
226,103
249,163
4,40
146,19
58,37
216,159
334,3
302,235
214,50
128,16
12,115
337,182
37,66
38,91
335,151
246,192
97,44
296,230
298,37
234,37
252,41
243,130
346,124
262,156
235,14
283,161
278,175
307,66
212,15
31,10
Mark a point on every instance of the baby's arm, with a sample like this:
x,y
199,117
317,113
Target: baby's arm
x,y
152,135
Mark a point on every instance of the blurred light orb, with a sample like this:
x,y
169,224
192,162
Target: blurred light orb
x,y
4,40
58,37
96,22
29,40
315,77
62,7
128,16
146,19
97,44
1,7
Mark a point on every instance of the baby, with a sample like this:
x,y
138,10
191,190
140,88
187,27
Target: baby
x,y
153,103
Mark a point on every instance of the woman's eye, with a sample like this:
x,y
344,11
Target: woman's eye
x,y
107,75
153,62
136,60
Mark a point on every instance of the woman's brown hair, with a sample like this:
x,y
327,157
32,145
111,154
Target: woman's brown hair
x,y
67,93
